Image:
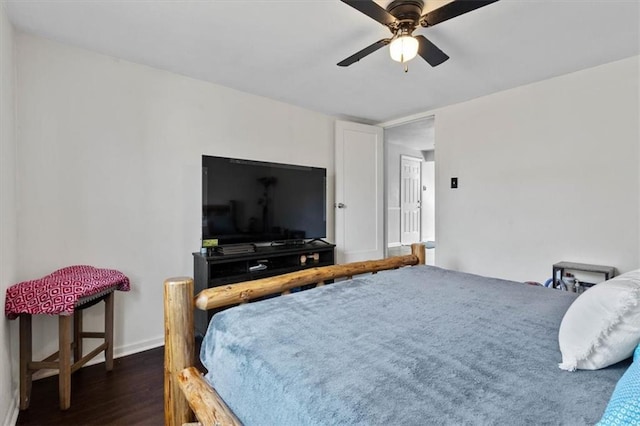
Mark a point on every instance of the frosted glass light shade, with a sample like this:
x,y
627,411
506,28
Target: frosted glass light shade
x,y
403,48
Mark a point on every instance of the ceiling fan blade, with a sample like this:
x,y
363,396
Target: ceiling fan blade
x,y
451,10
372,10
364,52
430,52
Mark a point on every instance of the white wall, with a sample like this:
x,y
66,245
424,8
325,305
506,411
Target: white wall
x,y
109,170
8,217
547,172
428,205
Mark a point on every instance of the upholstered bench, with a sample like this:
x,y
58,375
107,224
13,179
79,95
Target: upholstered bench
x,y
65,293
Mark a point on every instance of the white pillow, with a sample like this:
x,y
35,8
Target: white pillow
x,y
602,326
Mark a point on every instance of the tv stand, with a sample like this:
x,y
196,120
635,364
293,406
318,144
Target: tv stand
x,y
218,269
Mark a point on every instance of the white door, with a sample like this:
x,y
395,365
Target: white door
x,y
410,191
359,192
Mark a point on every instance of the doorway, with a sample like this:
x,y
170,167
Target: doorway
x,y
410,185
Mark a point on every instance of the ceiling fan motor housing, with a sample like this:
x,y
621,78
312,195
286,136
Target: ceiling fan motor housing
x,y
407,12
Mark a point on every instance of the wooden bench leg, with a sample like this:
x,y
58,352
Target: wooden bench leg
x,y
25,359
77,335
64,361
70,335
108,330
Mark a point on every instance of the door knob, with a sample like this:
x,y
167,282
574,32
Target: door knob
x,y
341,206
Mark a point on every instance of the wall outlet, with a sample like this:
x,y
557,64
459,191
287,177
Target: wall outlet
x,y
454,182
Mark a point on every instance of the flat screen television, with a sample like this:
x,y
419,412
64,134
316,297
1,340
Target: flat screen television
x,y
246,201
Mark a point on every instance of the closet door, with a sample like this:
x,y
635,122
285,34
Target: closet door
x,y
359,209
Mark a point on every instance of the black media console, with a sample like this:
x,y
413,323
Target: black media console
x,y
218,269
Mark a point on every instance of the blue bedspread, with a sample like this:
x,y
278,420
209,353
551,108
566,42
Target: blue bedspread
x,y
415,346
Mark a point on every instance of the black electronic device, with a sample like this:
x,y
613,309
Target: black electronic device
x,y
246,201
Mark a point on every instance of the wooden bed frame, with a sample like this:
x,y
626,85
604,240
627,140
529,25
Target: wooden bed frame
x,y
185,390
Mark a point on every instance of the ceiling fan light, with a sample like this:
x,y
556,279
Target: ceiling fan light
x,y
403,48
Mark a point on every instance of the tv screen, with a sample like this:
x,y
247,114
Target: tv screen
x,y
245,201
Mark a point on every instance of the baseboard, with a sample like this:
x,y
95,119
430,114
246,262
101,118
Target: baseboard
x,y
391,245
138,347
118,352
11,417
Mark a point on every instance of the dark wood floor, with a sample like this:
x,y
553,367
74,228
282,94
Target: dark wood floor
x,y
131,394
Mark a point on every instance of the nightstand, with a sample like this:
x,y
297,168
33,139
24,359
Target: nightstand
x,y
560,267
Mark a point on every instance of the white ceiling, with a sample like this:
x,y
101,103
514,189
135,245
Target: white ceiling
x,y
288,49
418,135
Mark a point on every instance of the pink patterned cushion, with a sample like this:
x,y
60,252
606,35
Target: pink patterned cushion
x,y
57,293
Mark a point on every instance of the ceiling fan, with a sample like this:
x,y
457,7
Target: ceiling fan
x,y
402,17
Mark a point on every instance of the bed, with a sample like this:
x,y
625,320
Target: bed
x,y
417,345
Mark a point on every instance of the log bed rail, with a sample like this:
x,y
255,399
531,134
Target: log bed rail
x,y
185,390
